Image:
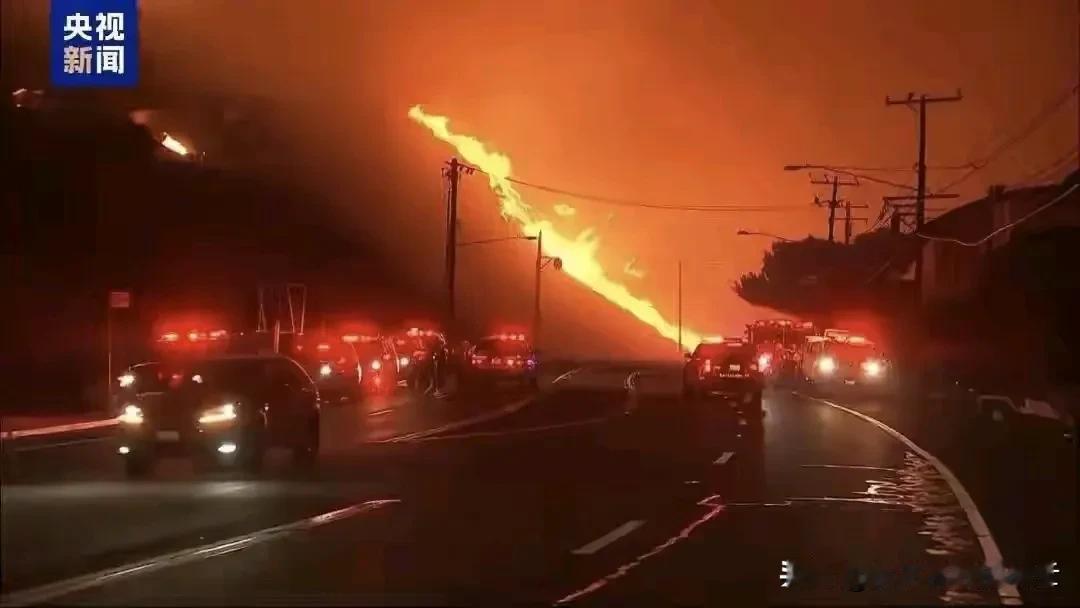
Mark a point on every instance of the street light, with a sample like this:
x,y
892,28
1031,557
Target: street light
x,y
774,236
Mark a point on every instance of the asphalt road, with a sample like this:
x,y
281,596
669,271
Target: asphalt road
x,y
604,488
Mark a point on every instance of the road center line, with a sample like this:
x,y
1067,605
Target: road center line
x,y
1009,594
381,412
51,591
724,458
609,538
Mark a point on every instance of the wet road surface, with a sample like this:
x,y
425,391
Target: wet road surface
x,y
605,488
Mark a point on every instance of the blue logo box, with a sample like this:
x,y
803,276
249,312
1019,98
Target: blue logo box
x,y
94,43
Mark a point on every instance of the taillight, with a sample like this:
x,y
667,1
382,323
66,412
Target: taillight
x,y
763,361
706,365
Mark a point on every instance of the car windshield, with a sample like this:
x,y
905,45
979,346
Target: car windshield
x,y
368,350
225,373
724,351
851,351
501,347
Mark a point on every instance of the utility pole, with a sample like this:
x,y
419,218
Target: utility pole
x,y
848,219
453,174
833,201
679,306
920,197
903,215
536,302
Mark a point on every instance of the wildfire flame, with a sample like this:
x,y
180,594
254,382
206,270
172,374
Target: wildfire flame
x,y
578,253
171,143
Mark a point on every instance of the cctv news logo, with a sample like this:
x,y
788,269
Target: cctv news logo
x,y
94,43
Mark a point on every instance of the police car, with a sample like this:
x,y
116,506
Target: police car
x,y
501,358
332,363
727,368
223,410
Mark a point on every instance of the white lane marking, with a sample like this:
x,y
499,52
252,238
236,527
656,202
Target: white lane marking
x,y
381,412
742,421
508,432
609,538
724,458
58,429
62,444
486,416
51,591
625,569
1009,594
567,375
631,381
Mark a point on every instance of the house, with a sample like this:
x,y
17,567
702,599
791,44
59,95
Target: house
x,y
952,269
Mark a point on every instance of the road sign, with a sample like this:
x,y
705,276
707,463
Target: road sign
x,y
120,299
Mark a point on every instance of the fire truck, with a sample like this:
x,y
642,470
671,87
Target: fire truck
x,y
778,343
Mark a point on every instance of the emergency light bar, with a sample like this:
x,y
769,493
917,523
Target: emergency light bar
x,y
518,337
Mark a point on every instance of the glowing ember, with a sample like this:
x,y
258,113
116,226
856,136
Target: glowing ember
x,y
578,254
564,210
171,143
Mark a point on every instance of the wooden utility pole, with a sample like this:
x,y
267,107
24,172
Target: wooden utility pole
x,y
833,201
453,174
920,196
848,219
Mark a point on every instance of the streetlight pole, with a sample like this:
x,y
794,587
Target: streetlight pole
x,y
536,302
679,306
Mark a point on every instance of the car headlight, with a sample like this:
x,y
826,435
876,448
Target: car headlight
x,y
325,370
873,368
403,361
133,414
826,365
126,380
222,413
376,365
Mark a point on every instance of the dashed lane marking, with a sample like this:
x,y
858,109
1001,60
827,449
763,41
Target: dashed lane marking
x,y
724,458
609,538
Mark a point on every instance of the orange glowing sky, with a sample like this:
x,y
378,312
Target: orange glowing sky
x,y
692,101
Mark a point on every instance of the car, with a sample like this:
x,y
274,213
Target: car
x,y
333,363
501,358
843,358
379,363
223,410
728,369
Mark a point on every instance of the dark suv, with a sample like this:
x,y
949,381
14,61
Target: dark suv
x,y
728,369
224,410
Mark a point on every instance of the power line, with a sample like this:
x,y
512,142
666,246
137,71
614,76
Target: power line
x,y
1042,208
1033,124
621,202
1048,170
